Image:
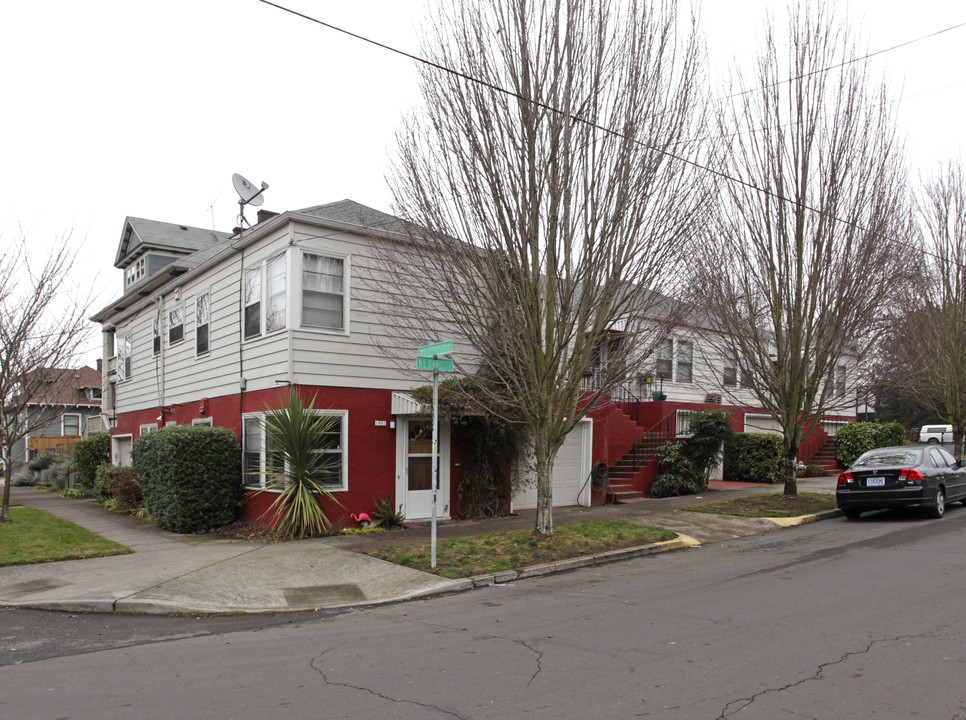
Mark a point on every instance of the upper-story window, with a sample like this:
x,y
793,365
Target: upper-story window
x,y
202,322
156,334
70,424
134,272
124,346
323,291
729,370
176,325
685,361
665,365
264,299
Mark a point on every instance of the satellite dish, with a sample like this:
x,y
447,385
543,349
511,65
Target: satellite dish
x,y
248,194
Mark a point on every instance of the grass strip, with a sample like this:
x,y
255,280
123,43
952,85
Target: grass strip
x,y
34,536
517,549
771,505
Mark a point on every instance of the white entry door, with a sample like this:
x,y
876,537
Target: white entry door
x,y
414,468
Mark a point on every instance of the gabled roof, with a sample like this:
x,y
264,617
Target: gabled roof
x,y
353,213
140,234
65,386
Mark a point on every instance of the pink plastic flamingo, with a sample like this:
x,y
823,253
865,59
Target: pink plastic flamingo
x,y
361,517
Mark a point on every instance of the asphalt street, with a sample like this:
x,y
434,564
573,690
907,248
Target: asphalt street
x,y
827,620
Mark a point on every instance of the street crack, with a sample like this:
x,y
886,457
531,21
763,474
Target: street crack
x,y
370,691
741,703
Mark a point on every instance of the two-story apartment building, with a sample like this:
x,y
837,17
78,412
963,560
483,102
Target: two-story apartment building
x,y
211,328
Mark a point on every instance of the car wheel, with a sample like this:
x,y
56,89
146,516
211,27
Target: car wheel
x,y
937,510
933,441
852,513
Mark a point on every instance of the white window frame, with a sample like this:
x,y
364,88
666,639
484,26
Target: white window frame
x,y
135,271
345,259
207,421
270,310
176,324
124,367
146,428
729,362
63,424
680,363
665,354
258,482
156,334
206,293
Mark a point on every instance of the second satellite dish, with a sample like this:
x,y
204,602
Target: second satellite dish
x,y
248,194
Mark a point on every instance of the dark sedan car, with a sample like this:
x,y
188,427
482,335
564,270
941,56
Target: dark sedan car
x,y
899,477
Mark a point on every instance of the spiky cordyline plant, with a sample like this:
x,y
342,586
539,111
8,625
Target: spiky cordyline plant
x,y
295,436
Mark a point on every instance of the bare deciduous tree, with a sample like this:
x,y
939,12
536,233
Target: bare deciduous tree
x,y
801,259
41,328
925,354
552,209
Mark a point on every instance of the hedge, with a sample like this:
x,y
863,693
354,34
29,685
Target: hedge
x,y
190,477
90,454
754,457
855,438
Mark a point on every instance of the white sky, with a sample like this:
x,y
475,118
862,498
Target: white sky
x,y
146,108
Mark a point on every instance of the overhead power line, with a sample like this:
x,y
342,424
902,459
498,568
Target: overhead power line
x,y
607,130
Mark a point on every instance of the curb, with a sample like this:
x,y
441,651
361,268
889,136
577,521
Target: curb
x,y
805,519
501,578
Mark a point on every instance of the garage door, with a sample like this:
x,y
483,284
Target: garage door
x,y
570,470
761,424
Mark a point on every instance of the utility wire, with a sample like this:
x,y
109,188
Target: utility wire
x,y
852,60
609,131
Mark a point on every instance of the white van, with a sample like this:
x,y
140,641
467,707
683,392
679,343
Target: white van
x,y
934,434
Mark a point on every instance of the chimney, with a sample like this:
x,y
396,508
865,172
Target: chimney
x,y
264,215
98,367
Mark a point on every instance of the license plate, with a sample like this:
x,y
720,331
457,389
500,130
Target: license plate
x,y
875,482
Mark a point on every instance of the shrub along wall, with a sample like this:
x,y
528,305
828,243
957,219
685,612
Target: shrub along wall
x,y
857,437
754,457
190,477
90,454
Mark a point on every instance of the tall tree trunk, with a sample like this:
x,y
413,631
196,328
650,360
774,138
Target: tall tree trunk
x,y
543,454
791,466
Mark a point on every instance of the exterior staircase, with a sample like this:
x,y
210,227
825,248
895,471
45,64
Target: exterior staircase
x,y
623,488
825,456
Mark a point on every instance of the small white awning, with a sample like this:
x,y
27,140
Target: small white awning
x,y
406,404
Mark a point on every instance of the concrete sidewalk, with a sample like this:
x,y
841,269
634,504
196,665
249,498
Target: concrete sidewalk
x,y
167,572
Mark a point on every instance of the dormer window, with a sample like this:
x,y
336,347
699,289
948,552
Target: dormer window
x,y
134,272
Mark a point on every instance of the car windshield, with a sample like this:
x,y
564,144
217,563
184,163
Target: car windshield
x,y
893,456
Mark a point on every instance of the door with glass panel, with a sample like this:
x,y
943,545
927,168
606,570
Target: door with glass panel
x,y
416,436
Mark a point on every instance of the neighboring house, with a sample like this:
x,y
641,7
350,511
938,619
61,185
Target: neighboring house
x,y
212,329
59,411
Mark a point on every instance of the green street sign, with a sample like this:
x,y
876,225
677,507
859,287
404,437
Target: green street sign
x,y
430,363
440,348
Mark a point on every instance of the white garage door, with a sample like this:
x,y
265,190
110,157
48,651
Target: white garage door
x,y
570,470
761,424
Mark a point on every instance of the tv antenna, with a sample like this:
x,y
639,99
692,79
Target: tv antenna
x,y
248,194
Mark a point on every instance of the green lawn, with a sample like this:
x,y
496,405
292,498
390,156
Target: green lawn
x,y
34,536
497,552
771,505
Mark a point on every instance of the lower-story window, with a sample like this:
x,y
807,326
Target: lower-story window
x,y
257,449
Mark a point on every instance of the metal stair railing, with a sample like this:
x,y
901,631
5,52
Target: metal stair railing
x,y
663,430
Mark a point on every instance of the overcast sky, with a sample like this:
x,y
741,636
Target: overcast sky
x,y
144,108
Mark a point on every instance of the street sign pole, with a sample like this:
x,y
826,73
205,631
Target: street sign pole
x,y
428,358
432,562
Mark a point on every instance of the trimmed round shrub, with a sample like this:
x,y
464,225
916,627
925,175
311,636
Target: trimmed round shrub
x,y
107,477
190,477
754,457
23,479
855,438
89,455
43,461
